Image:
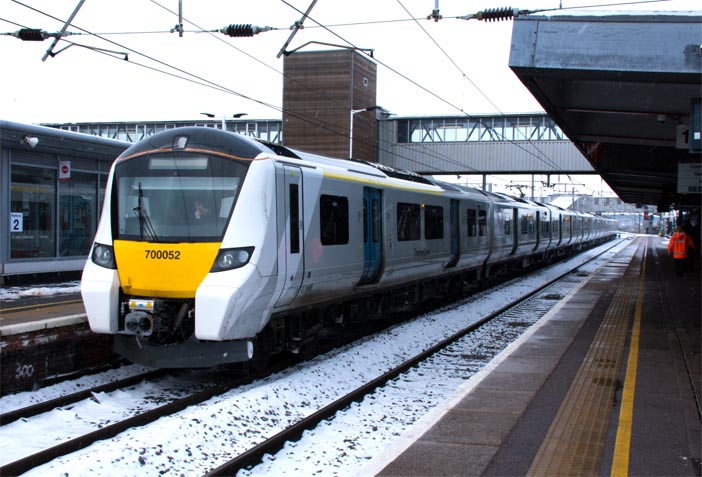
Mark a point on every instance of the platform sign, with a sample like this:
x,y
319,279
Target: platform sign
x,y
696,125
64,170
689,136
682,136
16,222
690,178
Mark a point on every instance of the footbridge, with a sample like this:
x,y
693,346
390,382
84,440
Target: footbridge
x,y
467,144
485,144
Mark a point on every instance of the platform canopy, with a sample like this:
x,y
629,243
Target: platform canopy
x,y
626,90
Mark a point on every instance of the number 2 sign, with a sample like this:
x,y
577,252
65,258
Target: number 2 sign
x,y
16,224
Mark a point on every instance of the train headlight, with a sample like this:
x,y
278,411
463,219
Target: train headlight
x,y
231,258
104,255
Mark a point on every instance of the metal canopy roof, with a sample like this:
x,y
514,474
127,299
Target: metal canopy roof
x,y
621,88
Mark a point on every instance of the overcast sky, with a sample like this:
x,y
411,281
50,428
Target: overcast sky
x,y
461,66
80,84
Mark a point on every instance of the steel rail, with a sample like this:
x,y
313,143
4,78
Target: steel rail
x,y
62,401
254,456
29,462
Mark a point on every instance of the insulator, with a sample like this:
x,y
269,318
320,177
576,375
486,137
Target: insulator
x,y
31,34
435,15
238,30
496,14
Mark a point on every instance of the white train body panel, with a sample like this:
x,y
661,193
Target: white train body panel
x,y
100,293
329,270
249,290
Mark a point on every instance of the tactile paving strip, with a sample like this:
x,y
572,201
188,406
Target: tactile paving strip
x,y
575,441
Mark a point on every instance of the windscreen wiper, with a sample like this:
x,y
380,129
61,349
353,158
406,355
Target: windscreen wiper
x,y
145,224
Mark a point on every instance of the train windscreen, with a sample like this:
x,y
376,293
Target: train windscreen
x,y
175,197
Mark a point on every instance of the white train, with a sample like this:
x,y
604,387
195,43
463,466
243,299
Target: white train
x,y
214,248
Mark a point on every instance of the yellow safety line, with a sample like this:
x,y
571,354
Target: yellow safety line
x,y
574,442
620,460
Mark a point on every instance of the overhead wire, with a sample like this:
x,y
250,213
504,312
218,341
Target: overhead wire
x,y
302,117
324,95
601,5
543,157
204,82
433,153
12,23
424,89
363,23
193,78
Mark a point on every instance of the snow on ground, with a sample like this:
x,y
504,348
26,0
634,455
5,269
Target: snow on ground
x,y
17,292
202,437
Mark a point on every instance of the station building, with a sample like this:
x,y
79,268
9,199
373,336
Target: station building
x,y
52,185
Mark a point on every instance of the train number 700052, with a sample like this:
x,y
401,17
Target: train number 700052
x,y
163,254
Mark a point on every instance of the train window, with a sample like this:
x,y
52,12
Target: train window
x,y
482,223
334,219
178,197
433,222
508,224
524,224
294,218
408,227
472,223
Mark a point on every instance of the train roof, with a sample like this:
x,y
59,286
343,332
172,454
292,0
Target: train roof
x,y
198,138
245,147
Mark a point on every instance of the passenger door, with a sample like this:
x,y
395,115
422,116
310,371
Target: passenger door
x,y
294,236
455,234
372,235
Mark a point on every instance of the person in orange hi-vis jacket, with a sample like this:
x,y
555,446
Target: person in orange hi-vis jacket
x,y
679,245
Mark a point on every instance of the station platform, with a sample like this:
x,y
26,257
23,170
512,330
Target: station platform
x,y
607,383
46,339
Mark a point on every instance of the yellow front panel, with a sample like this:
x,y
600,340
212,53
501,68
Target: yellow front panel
x,y
164,270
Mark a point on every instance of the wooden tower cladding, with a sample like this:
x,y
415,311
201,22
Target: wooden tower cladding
x,y
320,90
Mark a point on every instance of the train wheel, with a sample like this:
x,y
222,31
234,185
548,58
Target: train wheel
x,y
262,347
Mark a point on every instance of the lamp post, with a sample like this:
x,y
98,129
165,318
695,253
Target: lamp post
x,y
353,113
224,118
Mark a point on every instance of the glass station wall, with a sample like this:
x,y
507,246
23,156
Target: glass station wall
x,y
52,216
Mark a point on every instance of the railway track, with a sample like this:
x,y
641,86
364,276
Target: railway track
x,y
254,454
519,315
68,399
111,430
